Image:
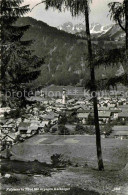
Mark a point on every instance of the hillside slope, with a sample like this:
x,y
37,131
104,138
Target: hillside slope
x,y
65,54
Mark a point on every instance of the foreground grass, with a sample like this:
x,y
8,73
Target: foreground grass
x,y
84,179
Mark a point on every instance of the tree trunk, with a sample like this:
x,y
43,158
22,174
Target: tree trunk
x,y
93,82
126,31
126,25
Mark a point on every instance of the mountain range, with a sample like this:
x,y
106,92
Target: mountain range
x,y
64,53
73,29
109,32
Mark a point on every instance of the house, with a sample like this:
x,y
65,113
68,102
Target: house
x,y
59,105
104,116
83,117
120,132
108,103
2,120
119,128
71,101
123,107
58,109
33,128
26,120
58,101
49,109
55,114
104,108
101,104
69,111
123,116
7,128
28,129
5,109
42,125
112,105
23,128
80,102
34,121
8,139
51,102
83,109
54,121
115,113
18,121
45,102
10,121
76,107
50,116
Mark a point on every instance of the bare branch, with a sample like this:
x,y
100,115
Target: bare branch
x,y
120,24
38,4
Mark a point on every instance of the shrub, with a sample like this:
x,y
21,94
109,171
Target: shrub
x,y
63,130
59,161
11,180
15,113
107,129
62,119
54,130
80,129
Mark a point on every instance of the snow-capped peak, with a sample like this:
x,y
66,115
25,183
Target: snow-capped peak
x,y
96,28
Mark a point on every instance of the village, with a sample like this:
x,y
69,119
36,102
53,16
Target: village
x,y
64,115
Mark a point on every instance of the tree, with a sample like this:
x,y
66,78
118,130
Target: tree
x,y
126,25
77,7
63,130
113,56
62,119
10,34
80,129
18,65
119,13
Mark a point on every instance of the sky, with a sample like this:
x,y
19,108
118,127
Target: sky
x,y
99,13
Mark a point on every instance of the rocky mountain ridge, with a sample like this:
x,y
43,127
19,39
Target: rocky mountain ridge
x,y
109,32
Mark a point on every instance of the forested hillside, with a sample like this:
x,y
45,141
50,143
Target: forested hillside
x,y
65,55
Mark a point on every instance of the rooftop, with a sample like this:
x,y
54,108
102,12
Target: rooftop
x,y
121,133
83,115
120,128
123,114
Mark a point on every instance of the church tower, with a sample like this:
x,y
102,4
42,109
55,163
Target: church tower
x,y
64,97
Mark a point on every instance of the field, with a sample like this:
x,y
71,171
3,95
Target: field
x,y
80,149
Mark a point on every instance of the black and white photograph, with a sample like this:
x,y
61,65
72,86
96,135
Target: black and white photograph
x,y
64,97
